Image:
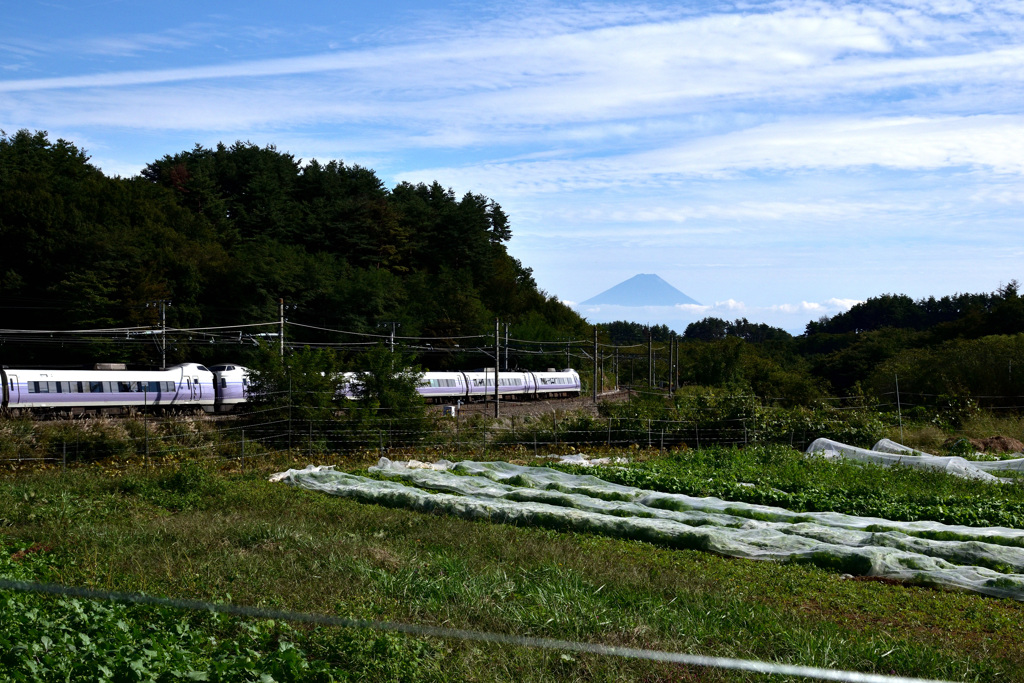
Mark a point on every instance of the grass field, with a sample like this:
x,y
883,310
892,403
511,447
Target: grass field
x,y
220,535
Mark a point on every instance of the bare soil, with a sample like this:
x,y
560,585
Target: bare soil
x,y
993,444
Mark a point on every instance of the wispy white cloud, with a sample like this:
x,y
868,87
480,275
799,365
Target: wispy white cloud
x,y
903,143
802,145
495,76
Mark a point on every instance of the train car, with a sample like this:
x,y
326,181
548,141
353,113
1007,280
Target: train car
x,y
480,384
443,386
230,385
73,392
554,383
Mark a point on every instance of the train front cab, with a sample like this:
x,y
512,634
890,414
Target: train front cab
x,y
9,383
230,386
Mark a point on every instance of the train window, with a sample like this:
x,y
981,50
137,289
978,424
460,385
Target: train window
x,y
200,367
96,387
223,383
216,368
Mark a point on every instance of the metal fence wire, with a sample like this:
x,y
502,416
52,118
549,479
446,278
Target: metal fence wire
x,y
303,432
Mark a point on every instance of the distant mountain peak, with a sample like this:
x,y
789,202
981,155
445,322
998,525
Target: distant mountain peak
x,y
641,290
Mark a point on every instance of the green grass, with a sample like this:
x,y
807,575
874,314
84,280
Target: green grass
x,y
200,533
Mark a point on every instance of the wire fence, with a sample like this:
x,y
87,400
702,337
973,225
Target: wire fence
x,y
299,431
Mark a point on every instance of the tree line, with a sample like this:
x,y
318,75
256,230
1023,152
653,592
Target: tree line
x,y
940,352
226,232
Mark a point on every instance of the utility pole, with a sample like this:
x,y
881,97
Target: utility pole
x,y
394,324
595,365
497,362
163,304
650,357
678,343
506,346
673,357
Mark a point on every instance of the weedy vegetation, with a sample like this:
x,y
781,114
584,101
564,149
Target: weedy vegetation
x,y
201,532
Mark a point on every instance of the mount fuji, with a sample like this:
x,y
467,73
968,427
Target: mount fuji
x,y
641,290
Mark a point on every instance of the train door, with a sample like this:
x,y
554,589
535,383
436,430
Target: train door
x,y
197,388
14,393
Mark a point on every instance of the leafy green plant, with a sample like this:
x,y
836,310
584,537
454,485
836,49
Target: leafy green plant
x,y
780,476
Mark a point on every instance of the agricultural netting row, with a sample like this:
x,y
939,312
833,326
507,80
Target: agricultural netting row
x,y
988,560
888,453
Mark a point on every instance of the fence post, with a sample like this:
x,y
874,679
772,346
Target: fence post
x,y
661,450
145,423
243,451
311,439
610,432
64,457
648,432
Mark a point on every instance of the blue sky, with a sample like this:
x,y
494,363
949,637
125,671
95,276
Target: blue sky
x,y
774,160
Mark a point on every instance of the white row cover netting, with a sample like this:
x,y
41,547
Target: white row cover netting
x,y
924,552
889,453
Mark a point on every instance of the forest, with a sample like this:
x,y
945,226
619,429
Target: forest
x,y
222,235
215,239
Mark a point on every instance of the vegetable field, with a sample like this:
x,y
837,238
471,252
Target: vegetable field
x,y
198,532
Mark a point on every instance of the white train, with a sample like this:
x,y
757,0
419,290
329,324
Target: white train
x,y
220,388
110,388
448,386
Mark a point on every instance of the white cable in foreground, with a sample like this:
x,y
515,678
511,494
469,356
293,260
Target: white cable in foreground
x,y
460,634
